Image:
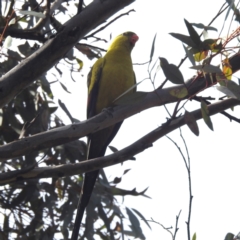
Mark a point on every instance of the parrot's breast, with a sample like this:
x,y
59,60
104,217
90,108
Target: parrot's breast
x,y
116,78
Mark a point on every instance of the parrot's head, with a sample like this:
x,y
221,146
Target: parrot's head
x,y
126,40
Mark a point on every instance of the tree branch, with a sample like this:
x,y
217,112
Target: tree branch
x,y
22,34
115,158
75,131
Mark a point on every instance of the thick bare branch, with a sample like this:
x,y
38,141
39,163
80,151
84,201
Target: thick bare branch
x,y
22,34
115,158
74,131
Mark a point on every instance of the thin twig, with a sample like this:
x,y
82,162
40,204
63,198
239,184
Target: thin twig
x,y
188,167
190,186
224,113
176,227
165,228
80,6
102,28
5,27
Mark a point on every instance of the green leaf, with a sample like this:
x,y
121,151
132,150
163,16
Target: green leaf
x,y
64,230
226,91
205,34
11,62
205,115
6,223
126,171
123,192
90,52
189,55
153,47
193,34
191,122
135,224
117,180
7,42
207,68
14,55
185,39
129,233
179,92
64,87
113,149
25,49
209,41
80,63
198,25
171,72
231,89
229,236
194,237
142,217
46,86
32,13
231,6
201,26
53,109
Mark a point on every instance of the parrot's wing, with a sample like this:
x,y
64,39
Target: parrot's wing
x,y
93,83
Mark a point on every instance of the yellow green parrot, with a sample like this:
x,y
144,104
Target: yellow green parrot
x,y
109,77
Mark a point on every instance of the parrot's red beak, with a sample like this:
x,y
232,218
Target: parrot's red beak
x,y
134,39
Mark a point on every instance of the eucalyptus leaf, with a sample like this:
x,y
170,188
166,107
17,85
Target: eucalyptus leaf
x,y
171,72
205,115
201,26
194,236
179,92
191,123
135,224
231,89
229,236
153,47
207,68
7,42
185,39
189,55
32,13
193,34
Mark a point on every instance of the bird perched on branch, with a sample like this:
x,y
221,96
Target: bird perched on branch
x,y
110,76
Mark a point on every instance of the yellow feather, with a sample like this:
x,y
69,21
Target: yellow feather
x,y
117,74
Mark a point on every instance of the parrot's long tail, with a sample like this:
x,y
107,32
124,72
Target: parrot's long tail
x,y
97,144
88,185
